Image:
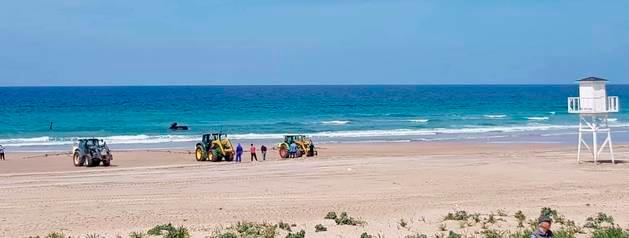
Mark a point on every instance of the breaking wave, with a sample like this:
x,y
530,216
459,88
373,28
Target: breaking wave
x,y
498,116
538,118
327,136
336,122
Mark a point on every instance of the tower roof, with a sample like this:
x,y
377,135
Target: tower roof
x,y
592,79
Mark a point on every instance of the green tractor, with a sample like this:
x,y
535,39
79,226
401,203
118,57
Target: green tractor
x,y
214,147
305,146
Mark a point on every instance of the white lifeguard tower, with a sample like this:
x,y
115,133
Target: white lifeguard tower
x,y
593,106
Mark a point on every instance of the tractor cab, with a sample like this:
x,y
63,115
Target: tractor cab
x,y
289,139
208,138
90,143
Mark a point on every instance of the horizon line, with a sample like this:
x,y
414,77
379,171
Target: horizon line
x,y
283,85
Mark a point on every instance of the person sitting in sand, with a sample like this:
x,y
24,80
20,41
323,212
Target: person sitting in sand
x,y
252,150
543,231
239,151
2,153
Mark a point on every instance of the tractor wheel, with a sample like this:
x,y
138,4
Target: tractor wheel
x,y
200,153
283,153
78,161
215,157
93,162
87,160
299,154
106,161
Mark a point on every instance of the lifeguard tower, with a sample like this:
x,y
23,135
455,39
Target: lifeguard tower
x,y
593,106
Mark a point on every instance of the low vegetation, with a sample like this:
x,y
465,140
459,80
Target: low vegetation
x,y
599,225
367,235
284,226
344,219
519,215
418,235
403,223
169,231
246,230
300,234
320,228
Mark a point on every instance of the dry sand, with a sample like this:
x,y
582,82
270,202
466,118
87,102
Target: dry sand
x,y
380,183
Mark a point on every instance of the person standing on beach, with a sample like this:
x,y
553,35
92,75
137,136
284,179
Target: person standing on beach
x,y
2,153
239,151
252,150
543,231
263,150
292,151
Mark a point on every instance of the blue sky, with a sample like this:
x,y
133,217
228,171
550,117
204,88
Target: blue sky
x,y
120,42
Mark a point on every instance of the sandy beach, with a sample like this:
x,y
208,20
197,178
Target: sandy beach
x,y
379,183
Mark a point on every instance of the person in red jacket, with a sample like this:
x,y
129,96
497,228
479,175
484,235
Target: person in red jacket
x,y
252,150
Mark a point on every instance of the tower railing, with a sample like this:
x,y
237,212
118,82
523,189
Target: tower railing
x,y
576,105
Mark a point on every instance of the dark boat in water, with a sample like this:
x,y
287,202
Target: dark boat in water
x,y
177,127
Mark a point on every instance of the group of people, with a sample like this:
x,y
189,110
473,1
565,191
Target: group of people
x,y
293,149
252,151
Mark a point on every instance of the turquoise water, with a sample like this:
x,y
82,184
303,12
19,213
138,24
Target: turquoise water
x,y
140,116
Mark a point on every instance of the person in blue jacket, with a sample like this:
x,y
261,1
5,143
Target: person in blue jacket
x,y
239,151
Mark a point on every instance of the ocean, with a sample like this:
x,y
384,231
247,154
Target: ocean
x,y
139,116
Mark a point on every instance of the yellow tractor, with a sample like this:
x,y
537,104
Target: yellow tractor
x,y
304,144
214,147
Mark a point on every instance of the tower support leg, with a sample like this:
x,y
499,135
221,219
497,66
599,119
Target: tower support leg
x,y
611,147
579,146
595,147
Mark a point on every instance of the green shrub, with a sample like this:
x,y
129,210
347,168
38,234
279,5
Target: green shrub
x,y
331,216
284,226
320,228
345,219
137,235
247,229
519,215
366,235
457,216
521,234
416,236
453,234
93,236
599,220
493,234
55,235
563,234
169,231
610,232
300,234
553,214
491,219
548,212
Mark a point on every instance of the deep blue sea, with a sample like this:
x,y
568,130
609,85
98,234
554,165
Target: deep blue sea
x,y
132,117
